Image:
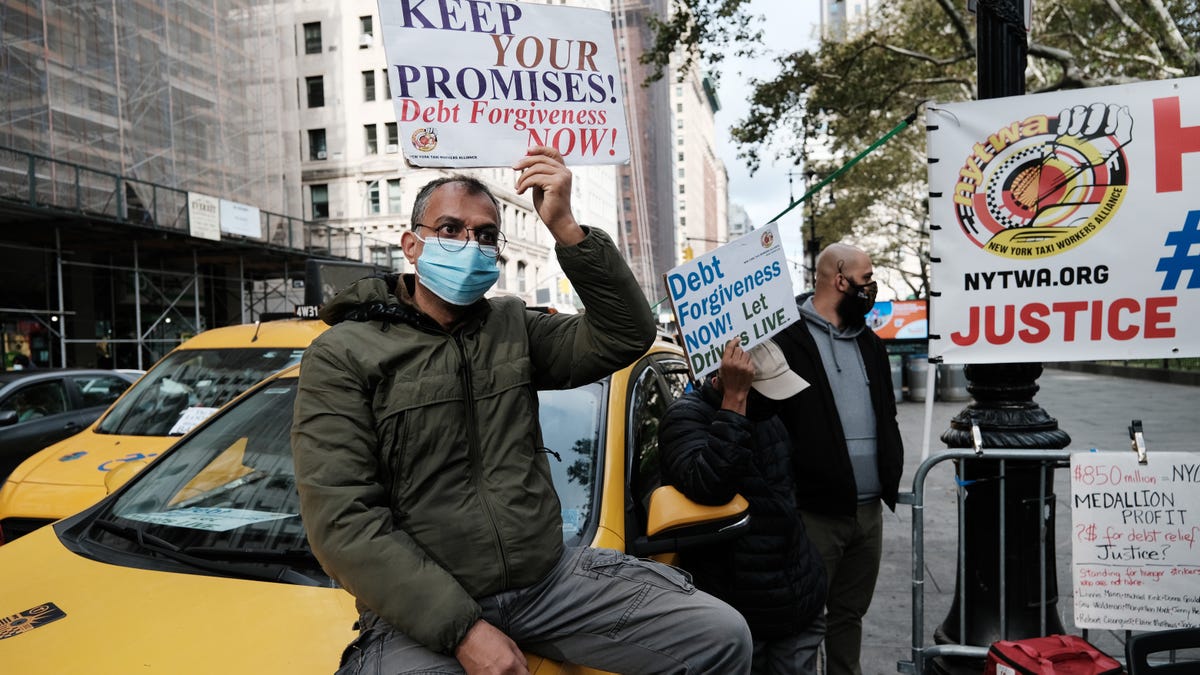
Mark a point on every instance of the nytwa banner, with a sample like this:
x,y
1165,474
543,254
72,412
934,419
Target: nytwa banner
x,y
1066,226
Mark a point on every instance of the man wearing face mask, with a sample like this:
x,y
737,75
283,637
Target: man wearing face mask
x,y
846,443
423,483
725,439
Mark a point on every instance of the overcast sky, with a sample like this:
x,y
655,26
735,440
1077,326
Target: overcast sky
x,y
790,26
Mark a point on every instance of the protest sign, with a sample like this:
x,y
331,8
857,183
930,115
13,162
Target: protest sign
x,y
475,82
1135,562
741,289
1066,225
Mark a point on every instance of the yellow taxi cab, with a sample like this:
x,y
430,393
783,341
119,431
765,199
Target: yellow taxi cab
x,y
181,390
200,563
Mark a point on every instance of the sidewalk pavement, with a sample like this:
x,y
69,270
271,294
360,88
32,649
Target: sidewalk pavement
x,y
1095,411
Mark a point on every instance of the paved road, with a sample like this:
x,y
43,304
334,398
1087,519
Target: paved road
x,y
1095,410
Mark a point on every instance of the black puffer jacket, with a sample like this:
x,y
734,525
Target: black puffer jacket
x,y
773,575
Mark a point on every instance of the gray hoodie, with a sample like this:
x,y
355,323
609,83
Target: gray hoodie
x,y
849,384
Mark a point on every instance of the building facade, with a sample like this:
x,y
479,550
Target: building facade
x,y
120,120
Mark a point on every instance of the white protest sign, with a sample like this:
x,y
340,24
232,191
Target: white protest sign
x,y
204,216
1135,559
476,82
1066,225
741,289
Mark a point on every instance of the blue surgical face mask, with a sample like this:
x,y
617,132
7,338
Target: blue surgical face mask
x,y
459,277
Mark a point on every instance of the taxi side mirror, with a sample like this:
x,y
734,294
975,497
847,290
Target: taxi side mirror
x,y
122,473
8,418
675,522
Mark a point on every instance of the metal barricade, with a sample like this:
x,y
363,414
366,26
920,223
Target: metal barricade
x,y
921,654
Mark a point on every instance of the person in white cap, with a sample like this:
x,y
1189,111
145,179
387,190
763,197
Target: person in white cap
x,y
725,439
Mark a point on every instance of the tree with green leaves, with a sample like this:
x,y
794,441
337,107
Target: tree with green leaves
x,y
853,88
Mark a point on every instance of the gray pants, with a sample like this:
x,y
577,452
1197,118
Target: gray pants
x,y
598,608
851,548
792,655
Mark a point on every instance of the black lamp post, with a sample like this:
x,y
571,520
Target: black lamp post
x,y
1007,417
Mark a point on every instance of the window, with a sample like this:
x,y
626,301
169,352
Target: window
x,y
648,402
316,91
521,273
502,282
39,399
312,38
316,144
320,201
681,188
395,199
371,136
387,85
681,156
97,390
368,85
678,107
373,198
679,141
393,137
367,35
681,172
572,424
679,123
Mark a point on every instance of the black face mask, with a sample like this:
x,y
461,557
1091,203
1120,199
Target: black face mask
x,y
854,304
760,408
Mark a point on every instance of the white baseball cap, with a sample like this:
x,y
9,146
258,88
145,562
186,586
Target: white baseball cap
x,y
772,376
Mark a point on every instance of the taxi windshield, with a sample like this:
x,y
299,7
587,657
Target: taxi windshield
x,y
224,500
226,494
190,384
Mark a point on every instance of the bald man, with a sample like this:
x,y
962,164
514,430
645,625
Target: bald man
x,y
848,454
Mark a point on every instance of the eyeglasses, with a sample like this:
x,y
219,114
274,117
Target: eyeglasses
x,y
450,236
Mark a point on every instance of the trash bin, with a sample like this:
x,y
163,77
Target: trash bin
x,y
917,369
897,363
952,382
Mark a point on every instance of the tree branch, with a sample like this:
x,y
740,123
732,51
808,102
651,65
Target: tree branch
x,y
959,26
1134,26
1175,41
923,57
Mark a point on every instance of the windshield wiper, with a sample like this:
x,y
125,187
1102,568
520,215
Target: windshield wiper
x,y
152,543
297,555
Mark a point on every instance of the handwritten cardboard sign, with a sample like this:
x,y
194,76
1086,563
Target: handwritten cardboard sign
x,y
741,289
476,82
1135,559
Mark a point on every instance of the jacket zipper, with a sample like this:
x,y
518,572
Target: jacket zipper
x,y
477,457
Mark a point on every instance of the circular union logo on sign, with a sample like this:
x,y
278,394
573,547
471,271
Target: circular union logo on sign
x,y
1044,185
425,139
767,239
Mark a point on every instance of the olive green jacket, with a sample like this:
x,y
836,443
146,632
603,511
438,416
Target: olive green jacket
x,y
417,451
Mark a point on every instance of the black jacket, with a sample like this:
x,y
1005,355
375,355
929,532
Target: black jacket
x,y
773,574
824,476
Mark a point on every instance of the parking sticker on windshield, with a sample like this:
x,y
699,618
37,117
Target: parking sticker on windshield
x,y
211,519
